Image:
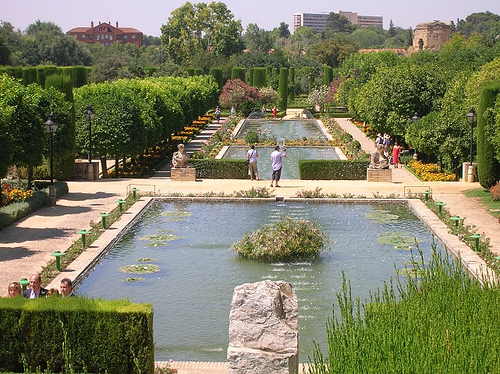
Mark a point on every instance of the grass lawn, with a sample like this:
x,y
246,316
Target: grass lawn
x,y
485,197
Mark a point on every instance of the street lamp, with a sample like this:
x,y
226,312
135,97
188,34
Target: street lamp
x,y
51,128
472,118
414,119
90,117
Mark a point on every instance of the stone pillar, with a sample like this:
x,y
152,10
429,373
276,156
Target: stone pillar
x,y
263,329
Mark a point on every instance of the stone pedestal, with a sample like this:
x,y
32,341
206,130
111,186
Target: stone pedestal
x,y
263,329
379,175
469,174
52,195
183,174
86,170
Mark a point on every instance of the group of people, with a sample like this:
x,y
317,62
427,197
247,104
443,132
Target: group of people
x,y
384,142
276,162
36,290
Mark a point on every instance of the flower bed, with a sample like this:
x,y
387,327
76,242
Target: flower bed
x,y
12,194
430,172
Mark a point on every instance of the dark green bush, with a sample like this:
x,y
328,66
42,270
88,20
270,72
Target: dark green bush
x,y
13,212
220,169
101,335
252,137
284,240
333,169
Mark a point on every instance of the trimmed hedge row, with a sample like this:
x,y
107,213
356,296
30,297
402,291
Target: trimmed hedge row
x,y
37,74
333,169
99,335
220,169
15,211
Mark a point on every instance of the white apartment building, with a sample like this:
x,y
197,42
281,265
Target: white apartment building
x,y
317,21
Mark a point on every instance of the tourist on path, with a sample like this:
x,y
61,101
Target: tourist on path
x,y
252,156
395,155
276,161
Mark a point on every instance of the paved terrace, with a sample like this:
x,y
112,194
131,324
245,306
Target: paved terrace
x,y
25,246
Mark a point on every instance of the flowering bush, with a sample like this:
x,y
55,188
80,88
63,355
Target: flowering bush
x,y
316,193
495,192
261,192
284,240
235,92
13,195
430,172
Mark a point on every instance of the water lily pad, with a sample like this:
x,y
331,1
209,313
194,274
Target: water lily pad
x,y
160,238
146,259
140,269
173,216
398,240
411,272
382,216
132,279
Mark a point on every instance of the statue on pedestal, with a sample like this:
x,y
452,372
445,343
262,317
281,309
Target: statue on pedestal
x,y
378,160
180,158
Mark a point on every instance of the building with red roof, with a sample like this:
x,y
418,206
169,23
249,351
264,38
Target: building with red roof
x,y
106,34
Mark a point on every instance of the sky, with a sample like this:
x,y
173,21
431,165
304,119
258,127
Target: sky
x,y
149,15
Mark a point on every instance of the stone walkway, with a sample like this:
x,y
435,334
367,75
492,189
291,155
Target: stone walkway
x,y
25,246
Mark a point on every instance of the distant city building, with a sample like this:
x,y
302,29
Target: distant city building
x,y
106,34
317,21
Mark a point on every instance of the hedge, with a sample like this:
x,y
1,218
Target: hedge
x,y
333,169
15,211
488,167
99,335
220,169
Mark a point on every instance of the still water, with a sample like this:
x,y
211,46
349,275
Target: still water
x,y
192,291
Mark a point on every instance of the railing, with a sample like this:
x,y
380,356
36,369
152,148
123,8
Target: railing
x,y
130,188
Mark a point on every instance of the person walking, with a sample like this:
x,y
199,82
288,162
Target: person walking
x,y
277,164
395,155
252,156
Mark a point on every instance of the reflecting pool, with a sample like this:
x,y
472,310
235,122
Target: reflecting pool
x,y
190,243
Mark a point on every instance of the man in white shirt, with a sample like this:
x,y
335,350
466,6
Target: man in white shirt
x,y
276,161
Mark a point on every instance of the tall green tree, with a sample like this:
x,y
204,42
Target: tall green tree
x,y
195,27
257,39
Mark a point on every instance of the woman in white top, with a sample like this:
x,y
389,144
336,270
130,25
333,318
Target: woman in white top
x,y
252,156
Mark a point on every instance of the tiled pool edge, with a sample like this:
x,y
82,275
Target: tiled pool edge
x,y
79,269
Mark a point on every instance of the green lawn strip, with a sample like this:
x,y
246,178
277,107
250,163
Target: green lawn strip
x,y
484,196
464,232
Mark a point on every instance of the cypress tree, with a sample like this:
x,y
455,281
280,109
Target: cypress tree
x,y
259,77
488,167
65,145
327,75
217,74
291,83
238,73
283,88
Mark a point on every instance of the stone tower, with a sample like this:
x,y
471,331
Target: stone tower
x,y
430,36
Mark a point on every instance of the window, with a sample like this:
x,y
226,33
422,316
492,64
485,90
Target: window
x,y
133,36
111,37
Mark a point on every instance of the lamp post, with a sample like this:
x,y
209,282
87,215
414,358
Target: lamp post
x,y
414,119
472,119
90,117
51,128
